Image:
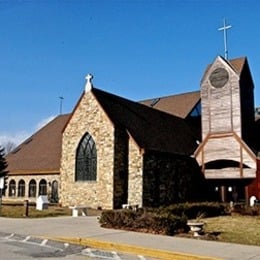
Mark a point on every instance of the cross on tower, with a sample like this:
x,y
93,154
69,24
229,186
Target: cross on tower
x,y
88,85
224,29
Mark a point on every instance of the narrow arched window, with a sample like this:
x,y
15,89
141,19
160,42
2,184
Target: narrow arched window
x,y
32,188
43,187
86,160
12,188
54,191
21,188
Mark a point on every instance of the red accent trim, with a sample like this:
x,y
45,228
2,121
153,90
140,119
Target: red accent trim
x,y
254,187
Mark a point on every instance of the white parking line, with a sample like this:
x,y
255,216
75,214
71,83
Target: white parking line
x,y
116,256
44,242
8,237
27,238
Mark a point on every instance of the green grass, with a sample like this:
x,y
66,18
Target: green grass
x,y
236,229
18,211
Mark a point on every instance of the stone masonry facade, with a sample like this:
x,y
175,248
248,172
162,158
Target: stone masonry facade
x,y
164,174
88,117
135,187
117,183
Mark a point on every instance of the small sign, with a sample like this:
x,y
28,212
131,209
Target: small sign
x,y
2,182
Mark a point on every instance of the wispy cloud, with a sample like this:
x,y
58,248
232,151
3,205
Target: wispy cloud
x,y
19,137
44,122
15,138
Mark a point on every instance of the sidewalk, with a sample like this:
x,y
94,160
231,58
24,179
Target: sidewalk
x,y
86,231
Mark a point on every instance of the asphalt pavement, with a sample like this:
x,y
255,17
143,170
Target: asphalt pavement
x,y
86,231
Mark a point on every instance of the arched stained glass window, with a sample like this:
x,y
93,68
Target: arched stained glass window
x,y
86,160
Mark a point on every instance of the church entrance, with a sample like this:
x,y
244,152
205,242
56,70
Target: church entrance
x,y
228,190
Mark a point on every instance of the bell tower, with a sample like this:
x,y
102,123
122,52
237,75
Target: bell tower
x,y
220,99
227,99
227,112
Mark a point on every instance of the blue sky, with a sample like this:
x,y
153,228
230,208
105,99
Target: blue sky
x,y
136,49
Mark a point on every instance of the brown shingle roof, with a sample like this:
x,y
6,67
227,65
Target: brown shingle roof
x,y
237,64
179,105
150,128
41,152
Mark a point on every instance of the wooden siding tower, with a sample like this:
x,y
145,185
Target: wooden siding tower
x,y
227,104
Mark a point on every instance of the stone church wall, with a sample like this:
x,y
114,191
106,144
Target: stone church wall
x,y
164,174
121,167
135,186
88,117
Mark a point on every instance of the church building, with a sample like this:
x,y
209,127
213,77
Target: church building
x,y
111,151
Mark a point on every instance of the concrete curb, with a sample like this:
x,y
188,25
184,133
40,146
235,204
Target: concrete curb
x,y
130,249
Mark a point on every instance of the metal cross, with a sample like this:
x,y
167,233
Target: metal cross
x,y
61,101
224,29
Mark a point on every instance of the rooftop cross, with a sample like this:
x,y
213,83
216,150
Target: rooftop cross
x,y
88,85
224,29
61,100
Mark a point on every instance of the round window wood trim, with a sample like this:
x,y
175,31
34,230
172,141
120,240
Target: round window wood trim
x,y
219,77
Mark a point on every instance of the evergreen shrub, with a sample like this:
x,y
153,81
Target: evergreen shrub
x,y
164,220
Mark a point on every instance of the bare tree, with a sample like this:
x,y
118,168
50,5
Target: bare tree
x,y
8,146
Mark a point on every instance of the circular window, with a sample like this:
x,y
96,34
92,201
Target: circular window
x,y
219,77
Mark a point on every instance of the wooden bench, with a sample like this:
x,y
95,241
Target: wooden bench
x,y
77,209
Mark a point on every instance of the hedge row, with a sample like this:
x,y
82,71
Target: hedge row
x,y
193,210
165,220
144,221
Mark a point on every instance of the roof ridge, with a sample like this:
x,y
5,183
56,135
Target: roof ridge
x,y
147,125
137,103
172,95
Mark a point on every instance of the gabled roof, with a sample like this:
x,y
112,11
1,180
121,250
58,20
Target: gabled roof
x,y
150,128
237,64
179,105
41,152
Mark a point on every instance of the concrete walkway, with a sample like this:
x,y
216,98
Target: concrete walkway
x,y
86,231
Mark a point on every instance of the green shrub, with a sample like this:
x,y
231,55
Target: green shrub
x,y
142,220
164,220
192,210
170,224
246,210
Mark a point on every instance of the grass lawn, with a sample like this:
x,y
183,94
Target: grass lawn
x,y
18,211
236,229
